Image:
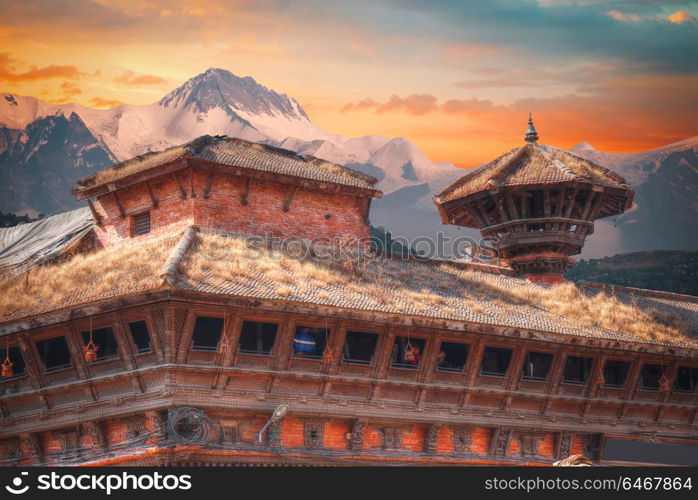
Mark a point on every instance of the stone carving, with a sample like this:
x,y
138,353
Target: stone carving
x,y
357,434
94,431
157,423
565,446
501,440
274,435
391,438
431,439
135,427
31,443
313,433
461,440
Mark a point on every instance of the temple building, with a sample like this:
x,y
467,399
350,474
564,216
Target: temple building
x,y
217,303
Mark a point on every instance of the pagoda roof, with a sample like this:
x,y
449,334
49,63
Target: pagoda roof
x,y
529,166
234,152
451,293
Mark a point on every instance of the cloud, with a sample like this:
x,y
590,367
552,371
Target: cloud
x,y
681,16
362,105
9,72
414,104
100,102
130,78
471,106
623,17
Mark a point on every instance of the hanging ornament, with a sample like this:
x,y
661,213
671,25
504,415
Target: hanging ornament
x,y
664,384
409,355
91,348
7,370
328,354
600,380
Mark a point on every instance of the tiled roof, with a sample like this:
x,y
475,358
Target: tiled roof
x,y
240,153
226,265
531,165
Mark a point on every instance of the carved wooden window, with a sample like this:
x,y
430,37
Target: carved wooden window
x,y
105,340
314,434
16,357
392,438
54,353
141,223
537,366
257,337
577,370
650,376
529,445
207,333
230,434
495,361
452,357
140,336
407,352
615,373
461,440
310,342
359,348
686,379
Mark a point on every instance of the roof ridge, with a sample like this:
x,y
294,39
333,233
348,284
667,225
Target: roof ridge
x,y
645,292
169,269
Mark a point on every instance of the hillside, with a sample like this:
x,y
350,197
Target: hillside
x,y
669,271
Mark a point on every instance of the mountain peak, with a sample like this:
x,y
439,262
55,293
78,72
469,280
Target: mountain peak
x,y
219,88
583,146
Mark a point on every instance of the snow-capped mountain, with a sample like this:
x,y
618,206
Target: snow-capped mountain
x,y
665,210
45,147
217,102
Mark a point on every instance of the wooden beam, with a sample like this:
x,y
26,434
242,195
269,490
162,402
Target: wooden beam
x,y
289,199
572,203
182,192
153,200
546,203
118,204
246,191
512,206
587,204
367,220
597,206
560,201
191,183
95,215
209,183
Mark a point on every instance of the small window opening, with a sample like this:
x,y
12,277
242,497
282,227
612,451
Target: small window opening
x,y
452,357
650,376
310,342
686,379
141,338
18,367
257,337
615,373
495,361
141,223
54,353
207,333
359,348
577,370
105,340
537,366
407,353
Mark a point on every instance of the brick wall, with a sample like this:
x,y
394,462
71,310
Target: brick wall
x,y
312,213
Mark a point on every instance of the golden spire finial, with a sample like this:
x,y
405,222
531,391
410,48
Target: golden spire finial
x,y
531,136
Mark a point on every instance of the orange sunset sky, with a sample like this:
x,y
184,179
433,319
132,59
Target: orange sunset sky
x,y
458,78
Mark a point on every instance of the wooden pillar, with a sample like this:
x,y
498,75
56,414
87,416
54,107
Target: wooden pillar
x,y
155,344
513,378
34,366
123,342
184,347
556,371
572,202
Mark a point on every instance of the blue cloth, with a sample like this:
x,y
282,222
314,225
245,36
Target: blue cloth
x,y
303,342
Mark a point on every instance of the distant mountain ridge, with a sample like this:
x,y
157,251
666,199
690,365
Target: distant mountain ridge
x,y
45,147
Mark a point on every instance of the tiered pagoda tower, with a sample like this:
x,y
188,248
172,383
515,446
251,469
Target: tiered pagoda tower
x,y
536,205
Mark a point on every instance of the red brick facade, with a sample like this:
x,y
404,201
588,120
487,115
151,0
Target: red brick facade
x,y
232,204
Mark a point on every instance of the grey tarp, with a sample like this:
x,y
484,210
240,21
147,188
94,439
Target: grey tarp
x,y
27,244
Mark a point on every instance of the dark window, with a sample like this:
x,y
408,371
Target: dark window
x,y
537,366
577,370
359,348
650,376
615,373
310,342
257,337
104,339
15,357
207,333
54,353
407,353
141,223
686,379
139,333
452,357
495,361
